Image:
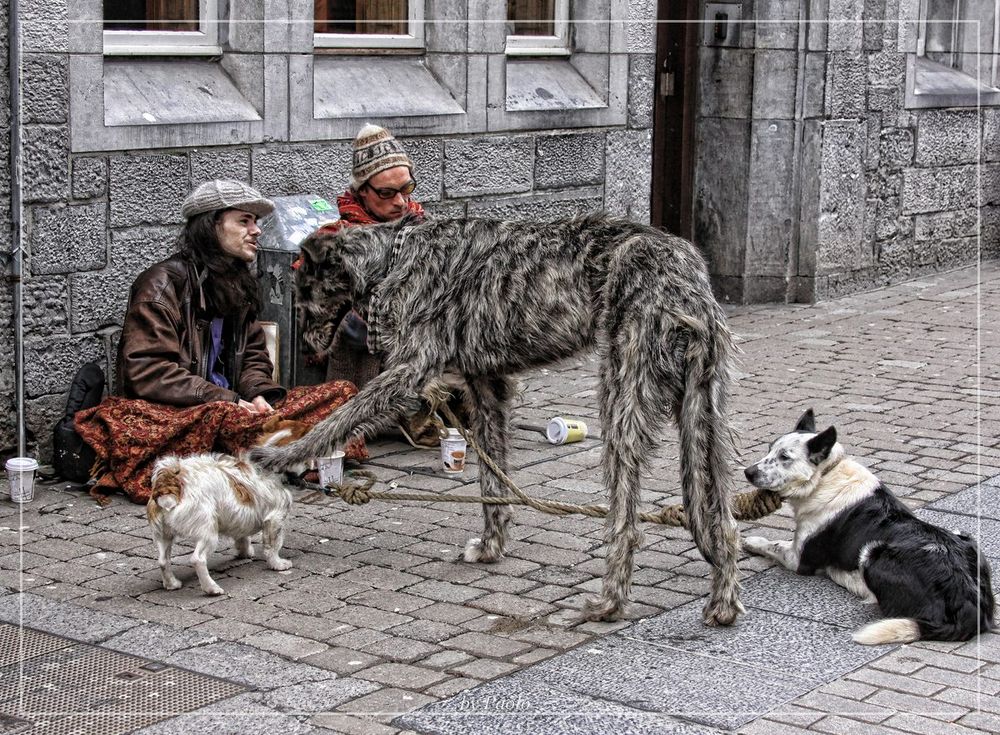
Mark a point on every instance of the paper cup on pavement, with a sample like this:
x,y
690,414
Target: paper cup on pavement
x,y
331,469
566,431
453,452
21,475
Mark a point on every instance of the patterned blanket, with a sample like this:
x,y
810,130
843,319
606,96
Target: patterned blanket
x,y
128,435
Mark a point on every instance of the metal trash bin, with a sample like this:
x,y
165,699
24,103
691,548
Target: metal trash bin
x,y
294,218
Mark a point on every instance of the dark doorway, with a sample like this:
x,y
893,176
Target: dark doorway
x,y
673,115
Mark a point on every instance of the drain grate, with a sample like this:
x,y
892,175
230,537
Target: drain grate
x,y
21,644
80,689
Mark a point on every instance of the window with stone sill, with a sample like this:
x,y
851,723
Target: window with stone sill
x,y
537,28
161,27
368,24
152,74
957,54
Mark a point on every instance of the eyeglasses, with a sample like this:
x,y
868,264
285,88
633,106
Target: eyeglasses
x,y
389,193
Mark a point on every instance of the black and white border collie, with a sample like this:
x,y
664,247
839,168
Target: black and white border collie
x,y
930,583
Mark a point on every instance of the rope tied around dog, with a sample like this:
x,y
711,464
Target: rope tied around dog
x,y
745,506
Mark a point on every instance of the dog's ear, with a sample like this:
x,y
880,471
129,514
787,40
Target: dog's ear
x,y
315,247
807,422
820,445
271,425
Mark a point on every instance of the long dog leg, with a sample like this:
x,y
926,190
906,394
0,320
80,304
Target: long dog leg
x,y
378,401
630,409
490,399
705,461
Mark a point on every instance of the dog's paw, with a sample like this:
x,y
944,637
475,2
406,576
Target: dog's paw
x,y
213,590
721,612
602,609
279,565
478,552
756,545
172,584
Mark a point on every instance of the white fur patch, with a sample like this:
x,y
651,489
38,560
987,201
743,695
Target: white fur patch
x,y
866,552
275,438
167,502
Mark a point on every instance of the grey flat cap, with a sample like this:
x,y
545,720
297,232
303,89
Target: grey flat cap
x,y
225,194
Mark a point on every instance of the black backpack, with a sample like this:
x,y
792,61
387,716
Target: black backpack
x,y
72,457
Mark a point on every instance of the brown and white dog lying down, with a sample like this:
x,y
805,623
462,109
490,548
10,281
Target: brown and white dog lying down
x,y
205,496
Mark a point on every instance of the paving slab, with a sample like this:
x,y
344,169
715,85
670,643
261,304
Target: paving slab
x,y
242,714
688,687
247,665
317,696
816,598
52,616
979,501
784,644
520,706
156,641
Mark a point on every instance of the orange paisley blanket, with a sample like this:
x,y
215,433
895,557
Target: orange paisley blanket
x,y
128,435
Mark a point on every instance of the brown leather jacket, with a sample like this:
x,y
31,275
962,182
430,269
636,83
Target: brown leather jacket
x,y
163,350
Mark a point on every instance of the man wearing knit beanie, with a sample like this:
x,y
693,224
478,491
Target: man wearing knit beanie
x,y
382,185
381,174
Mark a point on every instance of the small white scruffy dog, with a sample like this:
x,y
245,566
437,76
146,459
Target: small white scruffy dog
x,y
205,496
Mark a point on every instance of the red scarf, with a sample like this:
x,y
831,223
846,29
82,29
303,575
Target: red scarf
x,y
353,213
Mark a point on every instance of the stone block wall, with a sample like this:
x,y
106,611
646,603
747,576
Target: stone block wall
x,y
8,409
816,176
94,218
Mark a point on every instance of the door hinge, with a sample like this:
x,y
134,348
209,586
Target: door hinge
x,y
666,84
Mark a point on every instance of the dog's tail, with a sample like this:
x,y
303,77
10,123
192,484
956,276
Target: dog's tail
x,y
167,489
706,453
888,630
906,630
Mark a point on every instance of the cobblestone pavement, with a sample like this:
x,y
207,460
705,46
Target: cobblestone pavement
x,y
378,618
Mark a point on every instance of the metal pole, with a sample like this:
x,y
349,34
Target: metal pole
x,y
17,235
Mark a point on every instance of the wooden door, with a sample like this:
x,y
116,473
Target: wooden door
x,y
673,115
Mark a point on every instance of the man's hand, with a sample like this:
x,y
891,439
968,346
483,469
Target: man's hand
x,y
257,405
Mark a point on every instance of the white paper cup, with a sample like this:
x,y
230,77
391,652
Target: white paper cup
x,y
566,431
21,475
453,449
331,469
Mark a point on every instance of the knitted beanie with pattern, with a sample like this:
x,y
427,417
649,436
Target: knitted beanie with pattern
x,y
375,150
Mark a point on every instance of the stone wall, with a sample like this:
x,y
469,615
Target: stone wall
x,y
95,217
816,176
8,411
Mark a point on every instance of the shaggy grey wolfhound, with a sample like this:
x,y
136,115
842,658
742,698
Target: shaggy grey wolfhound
x,y
486,299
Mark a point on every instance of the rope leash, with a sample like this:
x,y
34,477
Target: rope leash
x,y
358,490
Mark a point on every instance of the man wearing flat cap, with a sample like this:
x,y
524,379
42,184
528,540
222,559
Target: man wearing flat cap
x,y
194,374
191,334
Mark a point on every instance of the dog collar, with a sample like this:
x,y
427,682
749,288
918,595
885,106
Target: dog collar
x,y
375,345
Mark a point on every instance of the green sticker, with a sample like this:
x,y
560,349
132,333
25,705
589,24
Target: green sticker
x,y
320,205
